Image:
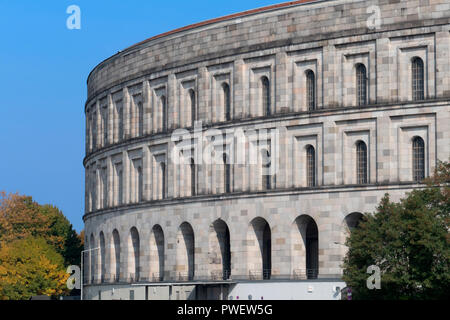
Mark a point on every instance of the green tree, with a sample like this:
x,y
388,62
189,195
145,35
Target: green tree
x,y
409,241
31,267
21,217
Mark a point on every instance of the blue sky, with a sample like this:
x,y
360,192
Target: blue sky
x,y
43,72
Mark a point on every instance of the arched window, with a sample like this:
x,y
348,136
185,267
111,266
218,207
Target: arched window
x,y
227,174
193,177
105,125
140,184
192,106
164,124
140,121
265,85
361,84
266,174
227,101
120,123
311,90
418,152
361,162
120,187
163,180
104,187
417,79
311,166
94,130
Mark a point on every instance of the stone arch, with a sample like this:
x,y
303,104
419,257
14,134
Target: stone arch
x,y
102,263
259,249
305,248
133,255
115,256
157,253
219,255
185,254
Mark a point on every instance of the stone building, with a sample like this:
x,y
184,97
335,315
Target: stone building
x,y
311,111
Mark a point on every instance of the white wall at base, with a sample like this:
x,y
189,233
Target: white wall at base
x,y
304,290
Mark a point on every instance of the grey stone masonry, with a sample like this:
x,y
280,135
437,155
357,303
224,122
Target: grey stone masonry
x,y
347,108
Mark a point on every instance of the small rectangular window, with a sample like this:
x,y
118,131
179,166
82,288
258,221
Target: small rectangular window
x,y
131,294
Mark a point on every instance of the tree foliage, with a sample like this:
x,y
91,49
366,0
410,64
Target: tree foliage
x,y
21,217
29,267
37,243
410,243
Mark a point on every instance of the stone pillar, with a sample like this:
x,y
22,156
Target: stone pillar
x,y
442,64
329,74
385,76
203,93
147,105
330,172
281,84
126,178
238,89
171,103
127,114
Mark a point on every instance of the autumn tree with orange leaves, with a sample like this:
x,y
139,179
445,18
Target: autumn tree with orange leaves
x,y
37,243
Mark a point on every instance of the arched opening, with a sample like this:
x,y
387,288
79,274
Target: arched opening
x,y
102,257
310,166
259,249
115,256
133,256
418,158
219,250
361,84
361,162
310,90
157,254
417,77
265,94
305,248
92,260
185,260
227,101
350,222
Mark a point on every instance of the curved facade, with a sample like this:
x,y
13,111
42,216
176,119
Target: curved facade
x,y
245,148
